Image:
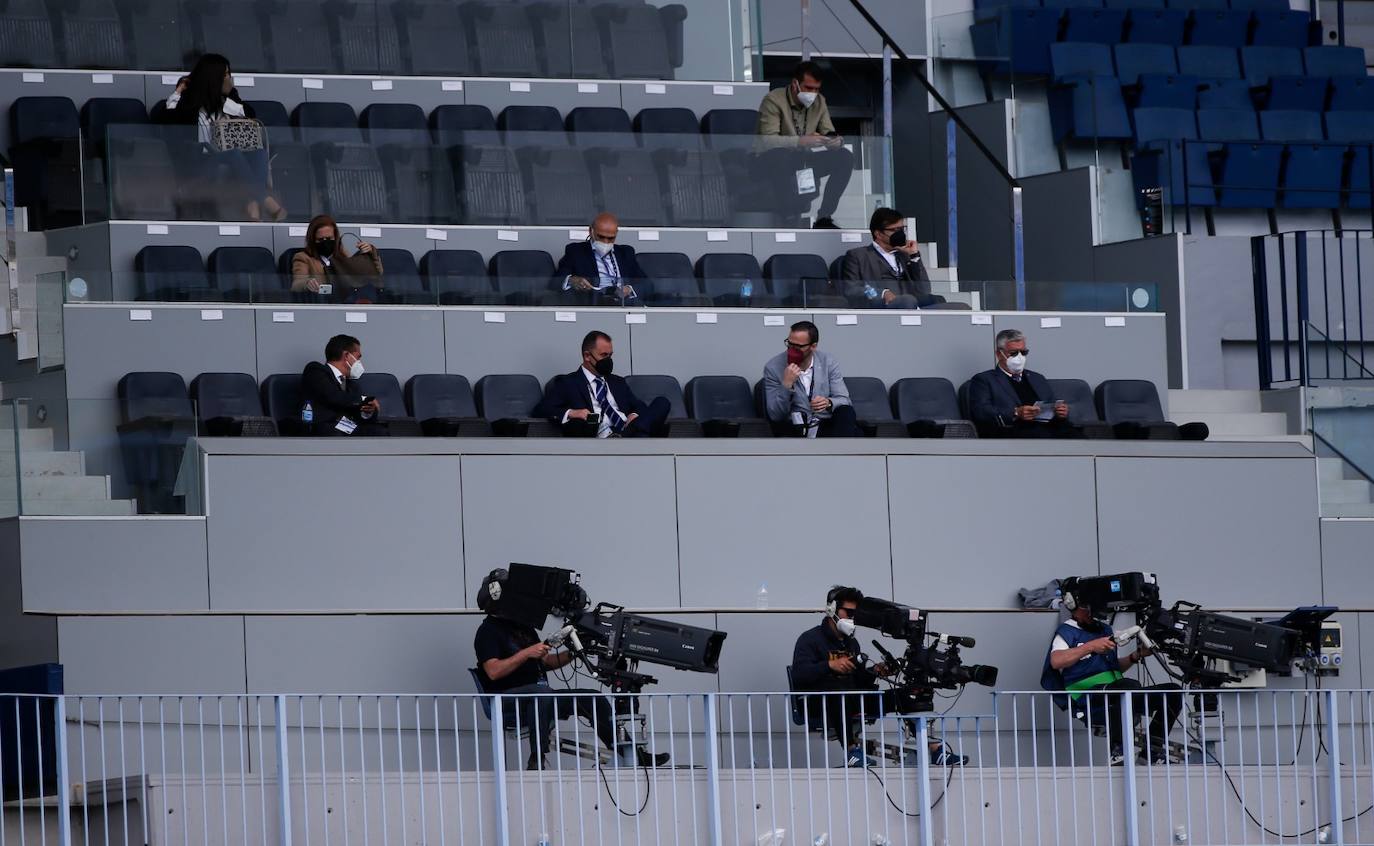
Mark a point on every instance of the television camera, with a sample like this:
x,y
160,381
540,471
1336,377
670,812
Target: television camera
x,y
608,640
921,669
1205,647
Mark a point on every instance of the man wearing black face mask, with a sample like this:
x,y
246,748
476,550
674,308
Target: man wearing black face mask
x,y
887,273
593,402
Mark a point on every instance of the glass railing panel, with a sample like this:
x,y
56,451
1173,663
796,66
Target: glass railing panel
x,y
10,465
51,293
1341,419
1112,297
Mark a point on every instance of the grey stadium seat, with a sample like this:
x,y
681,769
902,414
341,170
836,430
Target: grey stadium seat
x,y
228,405
650,387
803,279
459,277
509,403
92,34
281,399
929,408
155,421
1132,408
522,276
444,405
1082,407
724,406
26,37
504,38
437,33
672,281
246,274
489,185
387,390
872,407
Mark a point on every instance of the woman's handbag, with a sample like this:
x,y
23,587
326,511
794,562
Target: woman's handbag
x,y
232,133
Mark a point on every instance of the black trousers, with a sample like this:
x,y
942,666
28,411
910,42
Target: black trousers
x,y
842,715
837,164
652,423
842,423
538,714
1158,704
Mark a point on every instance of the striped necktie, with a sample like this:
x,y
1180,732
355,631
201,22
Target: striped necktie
x,y
603,399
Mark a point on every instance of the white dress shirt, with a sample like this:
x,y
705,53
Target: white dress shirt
x,y
891,259
804,379
607,270
603,429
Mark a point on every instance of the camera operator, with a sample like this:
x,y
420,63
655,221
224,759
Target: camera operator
x,y
511,659
1083,658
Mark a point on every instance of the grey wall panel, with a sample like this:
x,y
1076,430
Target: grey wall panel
x,y
1158,262
396,340
952,546
985,250
792,524
476,347
128,655
1216,531
28,639
945,344
759,647
1218,302
1058,226
677,344
700,98
611,519
392,548
360,654
1346,546
496,94
114,565
1118,352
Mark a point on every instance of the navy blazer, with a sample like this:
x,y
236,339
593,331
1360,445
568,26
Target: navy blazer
x,y
992,398
579,260
571,391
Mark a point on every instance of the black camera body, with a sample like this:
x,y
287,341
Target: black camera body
x,y
922,669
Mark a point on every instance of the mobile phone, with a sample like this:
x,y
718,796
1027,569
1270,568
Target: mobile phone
x,y
594,419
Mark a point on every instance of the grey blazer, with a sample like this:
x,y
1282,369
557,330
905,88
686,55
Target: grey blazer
x,y
826,381
863,264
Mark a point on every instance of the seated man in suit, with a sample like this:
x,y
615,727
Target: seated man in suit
x,y
331,391
593,401
598,271
888,272
1010,401
802,387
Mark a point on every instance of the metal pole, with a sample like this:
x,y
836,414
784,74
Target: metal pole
x,y
1130,805
64,799
889,178
952,193
1263,351
1300,272
805,30
1340,22
923,780
498,754
1333,759
713,770
11,256
1018,248
283,775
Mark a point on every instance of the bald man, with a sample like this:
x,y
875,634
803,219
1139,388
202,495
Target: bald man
x,y
598,271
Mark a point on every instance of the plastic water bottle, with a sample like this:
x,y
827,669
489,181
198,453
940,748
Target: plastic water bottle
x,y
870,292
761,598
543,839
822,839
308,413
746,291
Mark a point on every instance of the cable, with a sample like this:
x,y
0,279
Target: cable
x,y
949,777
648,784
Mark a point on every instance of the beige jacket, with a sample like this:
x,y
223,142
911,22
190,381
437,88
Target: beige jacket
x,y
353,271
778,128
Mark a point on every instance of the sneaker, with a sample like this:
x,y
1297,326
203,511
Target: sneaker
x,y
1116,757
649,760
1156,757
943,756
824,223
534,762
856,758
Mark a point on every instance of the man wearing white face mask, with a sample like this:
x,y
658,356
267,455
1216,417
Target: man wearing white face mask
x,y
797,117
598,271
331,390
1011,401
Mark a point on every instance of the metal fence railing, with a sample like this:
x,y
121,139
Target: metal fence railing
x,y
1153,767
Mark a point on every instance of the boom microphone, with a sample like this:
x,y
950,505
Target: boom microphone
x,y
888,657
957,640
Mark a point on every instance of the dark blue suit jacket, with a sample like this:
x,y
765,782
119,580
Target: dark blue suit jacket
x,y
578,260
992,397
571,391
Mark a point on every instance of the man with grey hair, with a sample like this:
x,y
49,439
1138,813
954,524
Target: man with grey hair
x,y
1010,401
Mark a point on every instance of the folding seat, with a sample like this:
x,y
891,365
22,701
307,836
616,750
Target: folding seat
x,y
437,33
98,113
489,187
463,124
1100,26
570,40
302,39
509,402
234,28
246,274
142,180
419,182
600,126
524,277
627,181
270,113
1281,28
1312,172
281,399
401,278
1156,26
1259,5
92,34
1248,173
392,414
872,407
929,408
444,405
637,38
1224,94
1076,59
650,387
671,280
1016,40
1133,60
532,126
730,122
156,419
724,407
26,36
1356,129
1220,28
1261,64
351,182
1085,101
1290,126
369,41
320,122
167,273
695,185
227,405
1209,62
1131,407
394,123
1334,61
1350,94
504,38
160,34
293,179
1082,410
1303,93
560,186
459,277
1135,4
734,279
802,280
1168,91
45,149
668,128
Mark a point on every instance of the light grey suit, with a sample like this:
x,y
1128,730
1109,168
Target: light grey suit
x,y
826,381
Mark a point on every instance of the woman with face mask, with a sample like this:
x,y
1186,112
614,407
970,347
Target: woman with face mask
x,y
326,269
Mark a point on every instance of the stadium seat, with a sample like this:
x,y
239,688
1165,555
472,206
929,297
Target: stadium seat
x,y
1162,160
672,281
92,34
1074,59
444,405
156,419
627,181
227,405
46,153
1311,172
1071,4
729,122
489,186
293,179
318,121
1131,407
570,42
802,280
524,277
167,273
160,34
437,35
724,406
929,408
1248,173
1088,108
394,123
247,274
1156,26
1255,5
303,41
269,112
733,279
695,186
668,121
419,183
1220,28
532,125
1224,94
1015,40
281,399
560,186
1167,91
402,280
650,387
509,402
872,407
1209,62
26,36
463,124
1133,60
142,180
600,122
504,38
1351,94
1260,64
99,113
234,28
638,38
369,41
1281,28
1334,61
1356,129
1207,5
1097,25
392,413
351,182
1134,4
459,277
1290,126
1082,408
1304,93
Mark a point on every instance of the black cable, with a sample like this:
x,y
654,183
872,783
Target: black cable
x,y
949,777
648,784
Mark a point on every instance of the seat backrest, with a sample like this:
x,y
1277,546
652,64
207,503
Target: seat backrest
x,y
323,121
387,389
504,395
100,112
1349,126
1069,59
728,266
431,395
269,112
521,265
1209,62
1352,94
1291,126
1260,64
451,270
869,397
1281,28
719,398
1227,125
169,267
1221,27
1164,124
729,122
925,398
1128,401
394,123
1079,396
673,121
247,269
145,393
1224,94
225,395
786,271
458,124
399,272
648,387
541,125
599,119
36,118
1334,61
281,396
665,265
1134,59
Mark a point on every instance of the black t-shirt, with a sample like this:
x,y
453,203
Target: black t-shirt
x,y
497,638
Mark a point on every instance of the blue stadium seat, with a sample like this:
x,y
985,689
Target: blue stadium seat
x,y
1220,29
1262,63
246,274
1206,5
504,38
725,275
1224,94
802,280
403,283
1070,59
1285,28
1306,93
281,399
1356,129
559,184
1162,160
1072,4
522,276
1087,108
1248,173
1207,62
1290,126
1227,125
459,277
672,280
228,405
173,273
1015,40
394,123
438,37
1351,94
444,405
26,36
1311,172
532,125
489,186
1258,5
463,124
1334,61
1167,91
1156,26
1101,26
1135,4
92,34
1132,60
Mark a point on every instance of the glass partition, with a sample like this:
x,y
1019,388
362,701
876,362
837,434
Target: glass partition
x,y
1112,297
1341,420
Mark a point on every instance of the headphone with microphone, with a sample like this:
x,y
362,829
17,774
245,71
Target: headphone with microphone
x,y
832,607
490,590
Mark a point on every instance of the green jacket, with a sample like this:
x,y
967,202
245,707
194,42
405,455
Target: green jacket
x,y
778,128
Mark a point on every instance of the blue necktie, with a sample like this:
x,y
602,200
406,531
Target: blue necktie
x,y
612,416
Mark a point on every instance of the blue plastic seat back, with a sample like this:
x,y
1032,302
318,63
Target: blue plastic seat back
x,y
1156,26
1101,26
1350,94
1167,91
1224,94
1334,61
1220,28
1303,93
1281,28
1209,62
1227,125
1312,176
1357,129
1071,59
1260,64
1132,60
1290,126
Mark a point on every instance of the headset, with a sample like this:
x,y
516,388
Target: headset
x,y
490,590
832,605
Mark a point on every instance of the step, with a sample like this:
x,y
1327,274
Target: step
x,y
1304,441
1346,491
1348,509
37,440
1204,401
1231,425
73,507
1332,469
64,487
43,463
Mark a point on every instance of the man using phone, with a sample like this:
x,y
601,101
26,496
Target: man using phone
x,y
797,117
331,391
1012,401
804,391
594,402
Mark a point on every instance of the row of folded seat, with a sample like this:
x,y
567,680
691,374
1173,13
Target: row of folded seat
x,y
510,277
233,404
627,39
